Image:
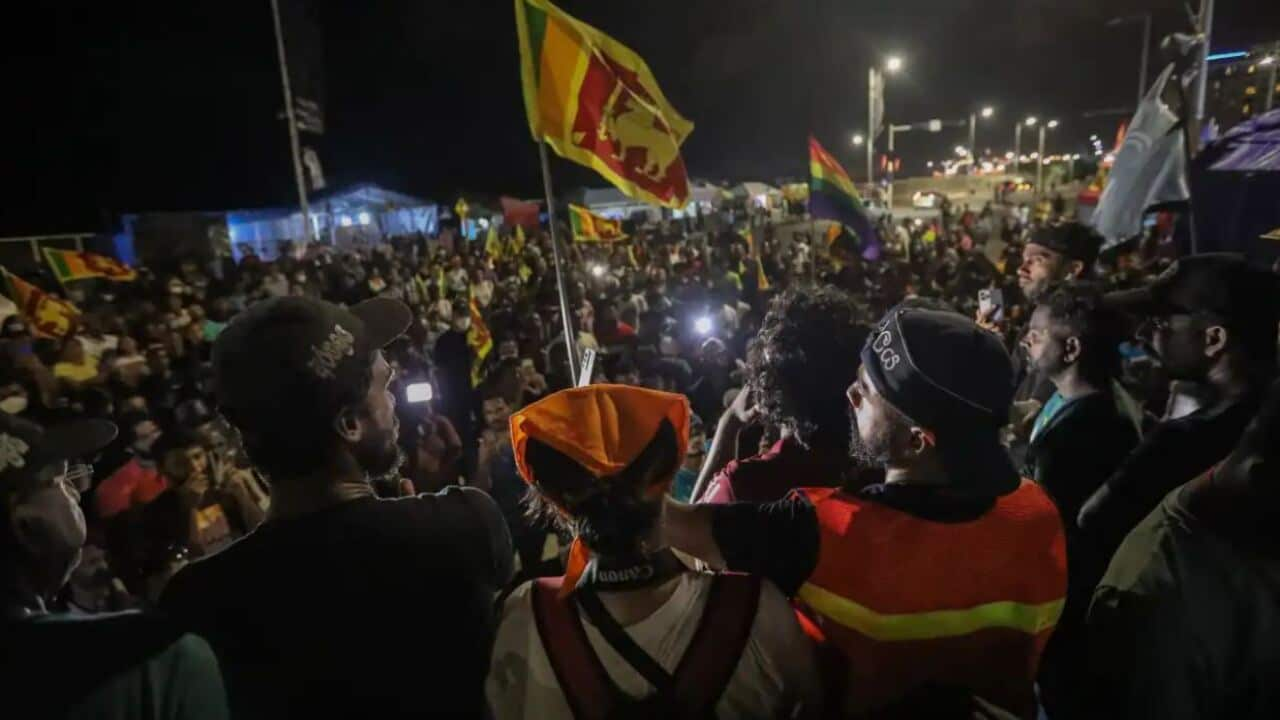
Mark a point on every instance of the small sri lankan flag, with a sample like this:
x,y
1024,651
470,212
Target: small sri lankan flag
x,y
595,102
50,317
76,265
589,227
832,195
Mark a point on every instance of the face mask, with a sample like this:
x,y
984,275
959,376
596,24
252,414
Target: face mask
x,y
14,404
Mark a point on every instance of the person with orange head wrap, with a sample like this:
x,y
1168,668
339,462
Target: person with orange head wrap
x,y
629,628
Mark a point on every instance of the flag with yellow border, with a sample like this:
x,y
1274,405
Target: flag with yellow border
x,y
589,227
49,316
76,265
596,102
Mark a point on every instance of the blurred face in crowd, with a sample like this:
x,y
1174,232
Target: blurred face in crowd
x,y
1049,352
128,346
1187,345
880,437
158,361
145,434
376,425
73,352
496,414
48,523
1040,268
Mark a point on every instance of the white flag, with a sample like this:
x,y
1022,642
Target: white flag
x,y
1151,168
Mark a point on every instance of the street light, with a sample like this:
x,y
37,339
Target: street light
x,y
1145,19
1040,165
875,102
858,139
1030,121
987,111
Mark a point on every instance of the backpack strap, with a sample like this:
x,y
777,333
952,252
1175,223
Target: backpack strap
x,y
712,656
583,680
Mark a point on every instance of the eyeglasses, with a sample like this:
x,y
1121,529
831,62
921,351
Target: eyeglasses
x,y
77,475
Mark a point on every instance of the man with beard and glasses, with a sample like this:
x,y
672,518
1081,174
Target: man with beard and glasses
x,y
340,603
945,581
1211,323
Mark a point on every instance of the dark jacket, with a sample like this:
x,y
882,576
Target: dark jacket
x,y
1071,457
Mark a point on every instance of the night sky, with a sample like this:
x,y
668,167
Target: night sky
x,y
120,107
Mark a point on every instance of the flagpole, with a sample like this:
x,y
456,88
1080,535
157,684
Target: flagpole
x,y
570,344
293,126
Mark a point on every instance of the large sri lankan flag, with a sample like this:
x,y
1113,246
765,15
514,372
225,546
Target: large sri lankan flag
x,y
76,265
595,102
832,195
589,227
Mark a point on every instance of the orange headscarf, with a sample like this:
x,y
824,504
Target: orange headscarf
x,y
603,428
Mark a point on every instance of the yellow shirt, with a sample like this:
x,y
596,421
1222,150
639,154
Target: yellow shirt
x,y
82,372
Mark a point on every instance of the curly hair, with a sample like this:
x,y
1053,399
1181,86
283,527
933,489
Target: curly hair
x,y
1076,310
803,360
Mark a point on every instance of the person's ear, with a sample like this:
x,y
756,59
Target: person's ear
x,y
1075,268
1071,349
921,440
347,426
1215,340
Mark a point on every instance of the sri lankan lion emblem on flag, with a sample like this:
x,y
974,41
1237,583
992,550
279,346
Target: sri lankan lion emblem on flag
x,y
595,102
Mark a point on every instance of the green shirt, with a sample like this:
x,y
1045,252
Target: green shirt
x,y
1051,408
118,666
1185,624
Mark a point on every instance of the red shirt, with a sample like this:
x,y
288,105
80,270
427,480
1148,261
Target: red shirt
x,y
131,485
772,474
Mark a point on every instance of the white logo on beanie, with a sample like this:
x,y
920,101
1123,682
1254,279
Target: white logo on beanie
x,y
13,452
888,358
326,356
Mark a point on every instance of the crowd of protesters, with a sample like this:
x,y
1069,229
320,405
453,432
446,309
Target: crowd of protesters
x,y
979,467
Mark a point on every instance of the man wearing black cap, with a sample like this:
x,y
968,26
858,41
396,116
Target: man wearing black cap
x,y
340,604
54,664
1211,322
900,576
1185,624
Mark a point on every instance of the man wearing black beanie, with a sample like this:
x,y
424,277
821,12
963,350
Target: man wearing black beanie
x,y
952,573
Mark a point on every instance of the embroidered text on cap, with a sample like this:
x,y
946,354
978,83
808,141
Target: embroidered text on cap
x,y
326,356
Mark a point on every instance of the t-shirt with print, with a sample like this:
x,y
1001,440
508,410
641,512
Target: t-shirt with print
x,y
370,608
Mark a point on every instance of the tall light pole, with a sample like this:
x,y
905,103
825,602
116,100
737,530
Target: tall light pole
x,y
987,112
1040,158
1205,22
1017,142
289,118
875,108
1145,19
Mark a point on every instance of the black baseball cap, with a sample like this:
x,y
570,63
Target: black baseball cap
x,y
1224,284
26,448
299,354
1074,240
954,378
